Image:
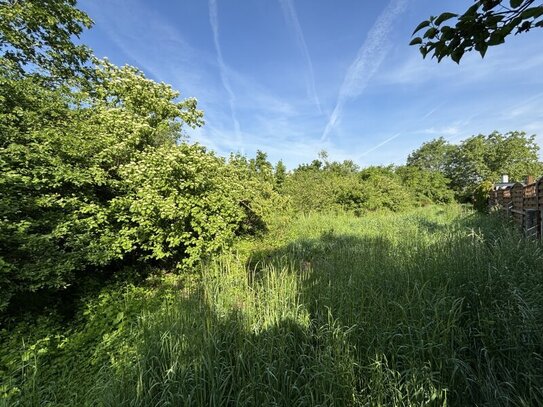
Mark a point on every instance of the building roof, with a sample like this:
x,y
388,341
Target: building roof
x,y
503,185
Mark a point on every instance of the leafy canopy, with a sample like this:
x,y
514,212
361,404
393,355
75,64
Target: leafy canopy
x,y
36,36
480,159
432,155
485,23
92,174
343,186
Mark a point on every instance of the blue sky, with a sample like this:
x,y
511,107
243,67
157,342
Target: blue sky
x,y
293,77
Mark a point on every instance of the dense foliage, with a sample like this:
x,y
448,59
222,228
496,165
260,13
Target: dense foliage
x,y
343,186
92,177
485,23
92,174
97,175
480,160
36,38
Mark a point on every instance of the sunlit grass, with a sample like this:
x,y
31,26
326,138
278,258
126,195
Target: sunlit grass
x,y
437,306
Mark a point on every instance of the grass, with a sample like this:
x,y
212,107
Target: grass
x,y
438,306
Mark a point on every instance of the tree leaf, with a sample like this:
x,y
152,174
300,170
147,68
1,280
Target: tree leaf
x,y
423,51
431,33
472,11
416,41
457,54
485,23
496,38
422,25
482,49
444,17
534,12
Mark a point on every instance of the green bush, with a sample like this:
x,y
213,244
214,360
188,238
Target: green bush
x,y
339,186
93,176
377,189
481,196
427,186
317,190
178,203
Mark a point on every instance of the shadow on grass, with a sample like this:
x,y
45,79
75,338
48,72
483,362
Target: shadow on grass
x,y
375,322
455,316
191,355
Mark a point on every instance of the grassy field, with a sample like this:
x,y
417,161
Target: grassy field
x,y
437,306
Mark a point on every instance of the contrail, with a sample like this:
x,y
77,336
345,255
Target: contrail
x,y
431,112
214,21
370,56
388,140
291,18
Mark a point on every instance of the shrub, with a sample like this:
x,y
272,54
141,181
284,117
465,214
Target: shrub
x,y
376,191
92,176
427,186
317,190
340,187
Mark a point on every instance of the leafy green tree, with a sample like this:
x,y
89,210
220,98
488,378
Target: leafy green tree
x,y
342,186
38,34
378,188
261,166
318,185
315,165
339,186
485,158
323,156
485,23
479,158
178,203
92,174
433,155
514,153
481,195
378,171
280,174
64,157
426,186
469,165
313,189
344,167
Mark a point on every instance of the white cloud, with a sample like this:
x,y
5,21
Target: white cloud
x,y
368,60
289,12
500,65
214,21
528,107
388,140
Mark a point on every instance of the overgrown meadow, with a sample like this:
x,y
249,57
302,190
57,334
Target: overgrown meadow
x,y
138,268
435,306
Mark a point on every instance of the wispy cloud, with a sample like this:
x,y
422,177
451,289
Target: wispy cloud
x,y
370,56
499,64
214,21
528,107
388,140
448,131
432,111
289,12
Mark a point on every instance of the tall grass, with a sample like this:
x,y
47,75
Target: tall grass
x,y
438,306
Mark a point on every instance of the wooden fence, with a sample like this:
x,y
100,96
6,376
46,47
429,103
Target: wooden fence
x,y
523,202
